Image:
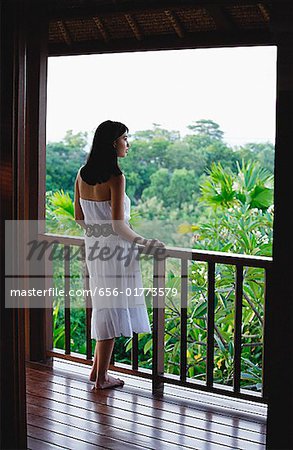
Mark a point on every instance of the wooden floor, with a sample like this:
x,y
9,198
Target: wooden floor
x,y
64,412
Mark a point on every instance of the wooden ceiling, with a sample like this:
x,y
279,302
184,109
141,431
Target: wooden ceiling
x,y
100,26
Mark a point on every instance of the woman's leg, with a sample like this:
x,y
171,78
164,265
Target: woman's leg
x,y
104,349
93,374
103,354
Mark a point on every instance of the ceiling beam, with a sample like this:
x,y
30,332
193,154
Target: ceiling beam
x,y
265,12
175,23
64,31
134,26
167,42
132,7
101,27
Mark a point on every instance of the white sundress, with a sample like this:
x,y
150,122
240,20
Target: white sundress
x,y
123,310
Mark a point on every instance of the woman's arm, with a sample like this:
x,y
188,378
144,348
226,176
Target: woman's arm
x,y
78,214
117,187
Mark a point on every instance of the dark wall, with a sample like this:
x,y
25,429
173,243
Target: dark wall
x,y
13,411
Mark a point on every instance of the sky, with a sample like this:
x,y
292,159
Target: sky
x,y
234,87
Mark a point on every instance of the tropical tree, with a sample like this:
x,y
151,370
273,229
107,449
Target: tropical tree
x,y
60,214
219,152
252,186
63,159
159,185
173,188
263,152
157,132
182,187
206,127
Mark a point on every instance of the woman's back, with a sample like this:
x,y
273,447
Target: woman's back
x,y
98,192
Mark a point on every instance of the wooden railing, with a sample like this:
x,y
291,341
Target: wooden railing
x,y
159,269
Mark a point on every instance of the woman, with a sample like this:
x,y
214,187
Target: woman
x,y
103,209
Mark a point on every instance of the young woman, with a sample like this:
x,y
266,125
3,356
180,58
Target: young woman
x,y
102,208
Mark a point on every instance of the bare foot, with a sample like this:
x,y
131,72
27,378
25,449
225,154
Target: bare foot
x,y
110,382
93,375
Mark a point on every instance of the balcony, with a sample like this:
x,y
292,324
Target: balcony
x,y
157,374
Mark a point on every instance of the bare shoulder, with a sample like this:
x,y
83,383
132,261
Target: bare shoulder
x,y
117,181
78,174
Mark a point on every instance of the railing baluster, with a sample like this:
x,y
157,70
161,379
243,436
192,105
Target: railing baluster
x,y
88,313
49,283
210,325
237,328
183,323
67,298
134,352
158,326
267,277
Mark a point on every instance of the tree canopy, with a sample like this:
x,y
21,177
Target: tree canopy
x,y
163,166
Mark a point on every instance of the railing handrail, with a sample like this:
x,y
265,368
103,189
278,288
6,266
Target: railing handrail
x,y
263,262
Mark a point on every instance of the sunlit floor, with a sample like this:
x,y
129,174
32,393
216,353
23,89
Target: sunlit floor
x,y
64,412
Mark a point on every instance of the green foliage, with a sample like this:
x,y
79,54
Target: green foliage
x,y
60,214
217,189
77,328
207,128
185,154
58,327
63,160
251,185
175,187
262,152
237,230
159,182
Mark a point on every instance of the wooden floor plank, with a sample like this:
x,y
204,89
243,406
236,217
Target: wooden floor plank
x,y
65,412
78,397
167,422
97,417
179,391
84,439
128,393
37,444
124,431
60,440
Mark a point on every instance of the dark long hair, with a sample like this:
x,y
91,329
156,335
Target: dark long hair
x,y
102,160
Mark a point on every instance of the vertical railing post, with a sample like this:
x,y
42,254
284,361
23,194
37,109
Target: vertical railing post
x,y
49,332
158,326
210,325
88,310
237,328
134,352
265,356
183,322
67,297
